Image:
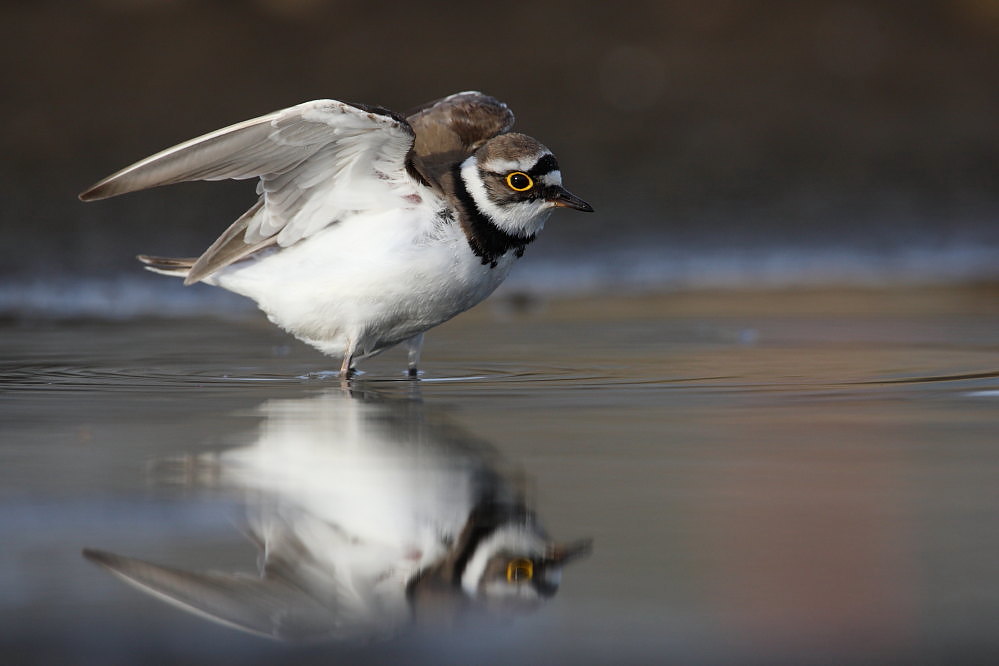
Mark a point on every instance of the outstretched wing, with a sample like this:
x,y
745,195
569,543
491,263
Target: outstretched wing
x,y
267,607
316,162
450,129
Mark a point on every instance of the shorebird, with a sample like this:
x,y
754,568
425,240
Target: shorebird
x,y
370,227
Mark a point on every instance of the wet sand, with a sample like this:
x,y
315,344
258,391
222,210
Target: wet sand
x,y
801,476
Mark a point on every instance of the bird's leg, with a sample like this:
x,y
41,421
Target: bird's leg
x,y
414,345
347,368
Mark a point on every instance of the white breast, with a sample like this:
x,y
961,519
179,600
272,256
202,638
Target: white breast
x,y
374,279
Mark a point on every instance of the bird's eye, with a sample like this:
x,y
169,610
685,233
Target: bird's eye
x,y
519,181
519,569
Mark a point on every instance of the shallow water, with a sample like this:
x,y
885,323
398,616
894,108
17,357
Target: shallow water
x,y
786,477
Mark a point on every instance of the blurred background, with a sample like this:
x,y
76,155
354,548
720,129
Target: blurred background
x,y
722,143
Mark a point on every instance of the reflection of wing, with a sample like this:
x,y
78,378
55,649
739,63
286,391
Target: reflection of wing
x,y
316,162
450,129
264,606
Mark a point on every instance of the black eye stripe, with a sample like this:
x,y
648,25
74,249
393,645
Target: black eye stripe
x,y
546,164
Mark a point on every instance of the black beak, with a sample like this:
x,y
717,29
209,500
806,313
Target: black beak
x,y
563,198
564,553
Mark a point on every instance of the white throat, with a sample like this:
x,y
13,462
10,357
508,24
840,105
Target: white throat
x,y
524,218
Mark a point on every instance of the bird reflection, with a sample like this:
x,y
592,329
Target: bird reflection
x,y
370,515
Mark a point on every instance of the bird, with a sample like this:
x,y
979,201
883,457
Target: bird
x,y
370,227
371,514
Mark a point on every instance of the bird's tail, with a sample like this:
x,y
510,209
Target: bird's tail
x,y
166,265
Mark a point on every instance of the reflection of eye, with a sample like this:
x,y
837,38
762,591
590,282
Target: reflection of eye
x,y
519,569
519,181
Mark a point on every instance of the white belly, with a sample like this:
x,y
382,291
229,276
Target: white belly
x,y
368,282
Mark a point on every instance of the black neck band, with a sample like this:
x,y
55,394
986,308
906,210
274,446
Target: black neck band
x,y
487,240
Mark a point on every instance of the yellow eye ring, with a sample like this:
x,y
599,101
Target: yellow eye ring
x,y
519,181
519,569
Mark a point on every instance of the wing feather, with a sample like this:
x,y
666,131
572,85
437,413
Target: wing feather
x,y
450,129
316,162
263,606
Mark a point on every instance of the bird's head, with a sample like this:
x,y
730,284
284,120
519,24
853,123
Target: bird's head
x,y
517,569
515,182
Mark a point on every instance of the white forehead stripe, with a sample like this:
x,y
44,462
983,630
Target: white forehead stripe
x,y
551,178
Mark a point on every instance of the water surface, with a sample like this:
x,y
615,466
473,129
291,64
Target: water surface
x,y
771,477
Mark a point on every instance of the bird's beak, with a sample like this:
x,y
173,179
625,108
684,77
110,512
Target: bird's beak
x,y
563,198
564,553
